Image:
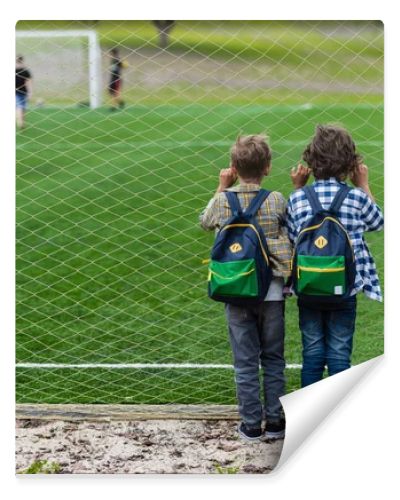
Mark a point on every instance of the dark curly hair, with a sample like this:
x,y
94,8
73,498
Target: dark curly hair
x,y
331,153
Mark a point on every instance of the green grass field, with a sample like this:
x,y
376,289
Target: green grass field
x,y
109,250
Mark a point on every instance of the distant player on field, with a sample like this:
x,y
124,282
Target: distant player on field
x,y
23,90
115,82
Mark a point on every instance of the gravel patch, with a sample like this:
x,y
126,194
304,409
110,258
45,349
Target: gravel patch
x,y
139,447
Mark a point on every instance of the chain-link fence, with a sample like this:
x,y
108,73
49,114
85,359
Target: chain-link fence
x,y
111,285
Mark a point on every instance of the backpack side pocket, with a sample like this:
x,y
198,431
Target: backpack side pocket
x,y
321,275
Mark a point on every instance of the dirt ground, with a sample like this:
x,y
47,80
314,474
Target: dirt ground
x,y
149,69
153,70
137,447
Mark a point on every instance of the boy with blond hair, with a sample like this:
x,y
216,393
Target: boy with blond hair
x,y
327,329
256,332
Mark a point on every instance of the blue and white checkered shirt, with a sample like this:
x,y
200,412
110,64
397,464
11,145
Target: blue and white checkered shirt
x,y
358,214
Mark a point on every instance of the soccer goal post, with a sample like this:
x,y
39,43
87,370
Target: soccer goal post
x,y
66,65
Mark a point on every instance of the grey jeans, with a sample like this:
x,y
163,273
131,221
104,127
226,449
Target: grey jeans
x,y
257,338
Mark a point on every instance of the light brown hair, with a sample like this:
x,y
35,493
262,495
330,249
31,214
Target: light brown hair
x,y
250,155
331,153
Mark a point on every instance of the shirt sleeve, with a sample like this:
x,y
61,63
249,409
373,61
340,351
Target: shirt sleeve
x,y
371,214
290,222
281,208
280,248
208,217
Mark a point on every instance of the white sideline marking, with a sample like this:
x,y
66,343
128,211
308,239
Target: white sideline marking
x,y
181,108
132,365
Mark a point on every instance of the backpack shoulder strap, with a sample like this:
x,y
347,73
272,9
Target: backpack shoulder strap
x,y
339,198
313,199
256,202
233,202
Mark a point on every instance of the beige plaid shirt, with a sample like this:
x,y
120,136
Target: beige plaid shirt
x,y
271,218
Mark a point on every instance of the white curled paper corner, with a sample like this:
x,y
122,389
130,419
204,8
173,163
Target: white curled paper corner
x,y
306,408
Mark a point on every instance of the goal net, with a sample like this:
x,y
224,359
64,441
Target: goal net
x,y
67,65
112,304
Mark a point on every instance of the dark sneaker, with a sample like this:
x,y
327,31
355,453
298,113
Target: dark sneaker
x,y
275,429
252,435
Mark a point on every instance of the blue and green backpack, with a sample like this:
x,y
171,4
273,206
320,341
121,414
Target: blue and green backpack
x,y
323,266
239,272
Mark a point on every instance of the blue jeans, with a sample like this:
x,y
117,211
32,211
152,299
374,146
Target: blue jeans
x,y
327,338
257,338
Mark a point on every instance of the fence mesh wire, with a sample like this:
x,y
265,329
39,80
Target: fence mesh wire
x,y
111,285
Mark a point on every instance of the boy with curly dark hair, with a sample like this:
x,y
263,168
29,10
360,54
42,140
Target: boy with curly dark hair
x,y
327,330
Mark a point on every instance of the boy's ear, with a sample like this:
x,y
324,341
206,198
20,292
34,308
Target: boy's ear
x,y
267,169
234,170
